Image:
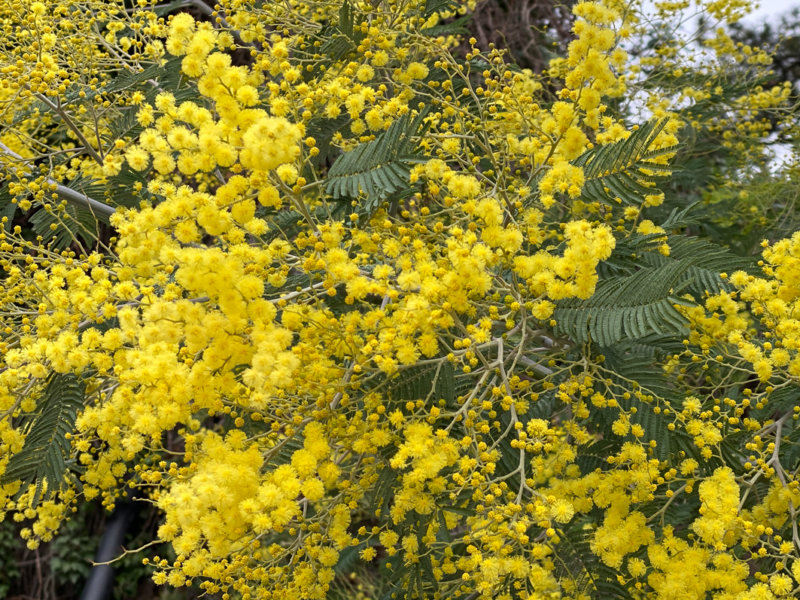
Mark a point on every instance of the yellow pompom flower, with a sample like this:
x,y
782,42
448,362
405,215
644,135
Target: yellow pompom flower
x,y
269,143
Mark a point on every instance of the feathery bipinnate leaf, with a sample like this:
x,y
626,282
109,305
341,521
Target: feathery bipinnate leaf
x,y
436,6
418,383
378,168
345,37
627,307
627,169
45,453
705,259
323,131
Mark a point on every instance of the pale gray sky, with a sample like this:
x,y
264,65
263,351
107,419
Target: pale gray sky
x,y
771,10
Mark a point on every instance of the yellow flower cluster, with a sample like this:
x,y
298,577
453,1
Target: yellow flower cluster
x,y
773,299
719,497
292,375
573,274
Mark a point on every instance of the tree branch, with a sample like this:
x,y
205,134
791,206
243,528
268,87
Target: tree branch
x,y
65,192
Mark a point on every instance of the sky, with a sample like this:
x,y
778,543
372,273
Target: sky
x,y
771,10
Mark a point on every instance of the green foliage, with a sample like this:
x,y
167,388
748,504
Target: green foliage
x,y
168,76
354,576
7,207
341,40
75,224
288,222
783,37
9,569
45,455
150,81
350,22
412,580
379,168
72,554
58,570
705,261
778,402
455,27
323,130
628,307
626,364
430,383
627,169
437,6
742,214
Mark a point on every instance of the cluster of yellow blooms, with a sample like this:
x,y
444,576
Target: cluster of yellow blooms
x,y
771,345
289,376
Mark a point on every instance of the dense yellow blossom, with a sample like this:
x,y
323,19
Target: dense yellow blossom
x,y
295,365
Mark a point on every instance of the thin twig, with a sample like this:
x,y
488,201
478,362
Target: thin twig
x,y
65,192
71,124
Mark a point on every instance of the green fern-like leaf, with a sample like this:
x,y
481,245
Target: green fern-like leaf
x,y
120,187
377,169
45,454
7,207
625,169
337,47
627,307
792,457
75,224
288,223
128,80
435,6
345,37
123,125
416,580
455,27
655,347
706,260
626,257
777,402
124,80
417,383
681,217
594,456
350,22
323,130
